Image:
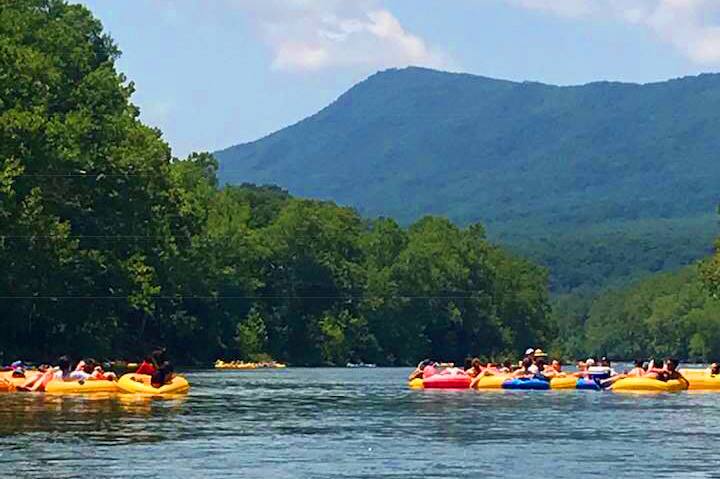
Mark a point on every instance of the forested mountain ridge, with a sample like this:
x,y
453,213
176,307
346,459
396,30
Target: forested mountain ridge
x,y
522,158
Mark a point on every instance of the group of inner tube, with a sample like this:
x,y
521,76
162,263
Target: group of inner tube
x,y
154,376
220,364
535,371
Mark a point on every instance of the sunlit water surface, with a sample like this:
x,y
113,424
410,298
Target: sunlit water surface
x,y
319,423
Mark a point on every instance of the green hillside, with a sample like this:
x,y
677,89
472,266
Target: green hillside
x,y
632,166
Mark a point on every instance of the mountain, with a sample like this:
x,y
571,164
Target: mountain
x,y
634,167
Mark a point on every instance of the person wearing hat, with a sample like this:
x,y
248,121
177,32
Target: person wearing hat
x,y
529,355
539,357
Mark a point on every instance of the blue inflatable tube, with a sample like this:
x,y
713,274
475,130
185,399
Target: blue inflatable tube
x,y
587,385
524,383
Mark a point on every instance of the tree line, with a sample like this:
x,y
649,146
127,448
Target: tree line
x,y
110,246
667,314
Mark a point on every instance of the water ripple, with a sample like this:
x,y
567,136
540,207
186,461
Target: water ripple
x,y
356,424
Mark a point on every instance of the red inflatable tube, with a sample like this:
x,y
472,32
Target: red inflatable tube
x,y
447,381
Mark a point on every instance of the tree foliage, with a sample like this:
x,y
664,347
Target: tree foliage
x,y
669,314
110,246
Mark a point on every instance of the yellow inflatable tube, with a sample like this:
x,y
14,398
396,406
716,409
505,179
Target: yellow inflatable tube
x,y
140,384
416,383
6,386
9,383
89,386
701,379
565,382
648,385
491,382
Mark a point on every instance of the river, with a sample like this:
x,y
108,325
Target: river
x,y
357,423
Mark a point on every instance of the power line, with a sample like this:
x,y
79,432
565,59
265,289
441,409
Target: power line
x,y
218,298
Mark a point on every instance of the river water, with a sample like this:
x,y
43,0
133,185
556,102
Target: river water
x,y
357,423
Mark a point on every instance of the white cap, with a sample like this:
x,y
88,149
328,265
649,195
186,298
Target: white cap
x,y
529,351
590,362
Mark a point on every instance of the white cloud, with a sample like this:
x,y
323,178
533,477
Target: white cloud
x,y
691,26
566,8
317,34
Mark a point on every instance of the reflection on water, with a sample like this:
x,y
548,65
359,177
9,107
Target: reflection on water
x,y
355,423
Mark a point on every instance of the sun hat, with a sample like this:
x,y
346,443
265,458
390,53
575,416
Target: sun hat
x,y
539,353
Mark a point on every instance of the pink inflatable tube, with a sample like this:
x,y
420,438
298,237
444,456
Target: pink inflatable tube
x,y
447,381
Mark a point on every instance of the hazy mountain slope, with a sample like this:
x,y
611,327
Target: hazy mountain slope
x,y
522,158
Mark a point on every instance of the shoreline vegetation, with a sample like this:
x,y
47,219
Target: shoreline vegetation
x,y
111,246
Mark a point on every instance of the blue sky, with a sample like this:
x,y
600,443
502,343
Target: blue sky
x,y
213,73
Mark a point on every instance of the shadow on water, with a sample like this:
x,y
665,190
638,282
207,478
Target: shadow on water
x,y
355,423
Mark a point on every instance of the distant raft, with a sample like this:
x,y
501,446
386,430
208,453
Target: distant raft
x,y
220,364
648,385
140,384
360,365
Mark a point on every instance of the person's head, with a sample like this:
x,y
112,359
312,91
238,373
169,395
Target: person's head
x,y
590,362
605,362
540,358
475,363
540,362
556,365
468,362
639,363
582,366
671,364
715,368
89,366
424,363
158,356
529,352
507,364
526,363
64,363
